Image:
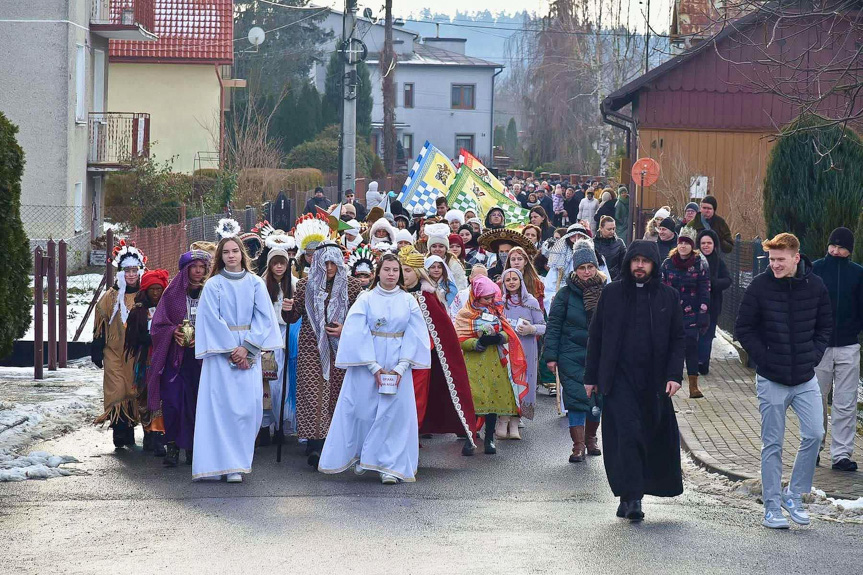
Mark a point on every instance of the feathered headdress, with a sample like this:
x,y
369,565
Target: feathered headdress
x,y
381,248
127,251
278,239
263,229
362,261
311,231
228,228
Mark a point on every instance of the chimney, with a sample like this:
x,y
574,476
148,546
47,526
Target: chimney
x,y
456,45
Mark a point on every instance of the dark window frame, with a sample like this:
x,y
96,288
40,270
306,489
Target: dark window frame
x,y
461,105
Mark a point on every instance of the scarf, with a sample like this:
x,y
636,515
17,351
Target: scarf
x,y
170,313
316,296
684,264
469,324
591,289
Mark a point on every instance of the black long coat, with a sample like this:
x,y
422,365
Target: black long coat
x,y
647,418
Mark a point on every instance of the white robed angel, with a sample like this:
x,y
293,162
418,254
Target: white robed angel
x,y
235,316
384,332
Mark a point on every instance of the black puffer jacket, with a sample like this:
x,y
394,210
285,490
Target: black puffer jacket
x,y
844,281
613,250
784,324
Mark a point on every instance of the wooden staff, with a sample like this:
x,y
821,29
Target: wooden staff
x,y
280,432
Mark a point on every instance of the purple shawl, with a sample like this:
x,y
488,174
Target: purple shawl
x,y
170,313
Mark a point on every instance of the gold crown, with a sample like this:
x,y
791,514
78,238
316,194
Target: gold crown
x,y
409,256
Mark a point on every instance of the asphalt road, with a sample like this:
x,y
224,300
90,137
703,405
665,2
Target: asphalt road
x,y
524,510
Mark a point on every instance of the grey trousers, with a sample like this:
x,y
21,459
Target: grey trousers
x,y
773,402
839,370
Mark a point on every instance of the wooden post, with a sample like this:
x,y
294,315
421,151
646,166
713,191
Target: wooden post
x,y
109,269
52,304
62,295
37,314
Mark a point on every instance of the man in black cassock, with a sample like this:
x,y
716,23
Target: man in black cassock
x,y
635,355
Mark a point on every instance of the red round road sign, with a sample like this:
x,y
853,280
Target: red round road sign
x,y
645,171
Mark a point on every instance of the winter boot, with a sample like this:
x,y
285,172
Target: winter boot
x,y
590,437
490,423
147,443
172,455
577,435
157,442
694,392
121,432
467,449
188,457
500,428
314,446
264,438
513,428
704,368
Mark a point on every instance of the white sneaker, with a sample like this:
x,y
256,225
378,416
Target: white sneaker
x,y
774,519
359,470
388,479
235,478
793,504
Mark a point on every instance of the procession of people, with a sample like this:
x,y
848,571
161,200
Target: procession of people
x,y
360,335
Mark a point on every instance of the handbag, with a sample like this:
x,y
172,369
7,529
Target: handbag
x,y
269,368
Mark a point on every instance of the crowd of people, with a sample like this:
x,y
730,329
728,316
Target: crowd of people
x,y
361,342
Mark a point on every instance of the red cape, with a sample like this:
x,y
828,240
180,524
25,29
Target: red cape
x,y
450,403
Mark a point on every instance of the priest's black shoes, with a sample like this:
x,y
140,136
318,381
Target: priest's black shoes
x,y
622,509
634,512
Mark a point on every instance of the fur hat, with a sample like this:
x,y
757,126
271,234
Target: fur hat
x,y
404,236
454,215
661,214
583,253
437,234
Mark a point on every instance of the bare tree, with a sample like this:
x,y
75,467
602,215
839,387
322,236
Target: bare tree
x,y
388,66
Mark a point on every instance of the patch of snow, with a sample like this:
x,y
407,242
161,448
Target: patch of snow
x,y
36,465
80,289
722,347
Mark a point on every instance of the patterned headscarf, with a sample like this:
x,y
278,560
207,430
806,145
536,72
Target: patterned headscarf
x,y
316,296
522,294
170,313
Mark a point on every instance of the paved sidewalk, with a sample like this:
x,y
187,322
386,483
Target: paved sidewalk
x,y
723,431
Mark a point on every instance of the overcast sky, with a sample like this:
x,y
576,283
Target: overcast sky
x,y
659,9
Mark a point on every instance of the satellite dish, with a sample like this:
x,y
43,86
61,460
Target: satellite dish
x,y
367,14
256,36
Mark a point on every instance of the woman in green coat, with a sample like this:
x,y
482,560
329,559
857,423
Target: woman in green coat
x,y
566,346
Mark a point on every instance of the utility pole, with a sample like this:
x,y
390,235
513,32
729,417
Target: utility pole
x,y
388,73
647,41
349,106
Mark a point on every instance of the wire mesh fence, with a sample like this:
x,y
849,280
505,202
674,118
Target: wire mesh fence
x,y
745,261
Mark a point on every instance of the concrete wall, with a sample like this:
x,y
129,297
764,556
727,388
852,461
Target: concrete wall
x,y
432,117
183,101
38,72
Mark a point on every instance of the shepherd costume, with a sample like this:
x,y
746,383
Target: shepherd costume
x,y
636,346
174,375
377,431
108,348
138,345
319,301
443,397
493,356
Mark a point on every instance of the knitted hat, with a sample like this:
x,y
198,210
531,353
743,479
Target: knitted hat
x,y
404,236
709,200
687,235
583,253
437,234
277,252
668,223
661,214
842,237
691,206
154,277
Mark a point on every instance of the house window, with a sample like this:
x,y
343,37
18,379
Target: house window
x,y
80,83
408,145
409,95
376,146
463,141
462,97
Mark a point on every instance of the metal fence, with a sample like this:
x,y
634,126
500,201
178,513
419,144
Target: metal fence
x,y
745,261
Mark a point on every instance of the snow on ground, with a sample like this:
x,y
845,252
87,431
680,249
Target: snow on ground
x,y
80,289
33,410
722,348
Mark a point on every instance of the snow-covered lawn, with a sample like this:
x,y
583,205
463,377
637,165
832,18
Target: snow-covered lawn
x,y
80,290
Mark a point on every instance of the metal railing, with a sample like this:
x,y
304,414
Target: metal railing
x,y
116,138
123,13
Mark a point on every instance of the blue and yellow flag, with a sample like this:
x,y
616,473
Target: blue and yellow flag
x,y
431,177
470,192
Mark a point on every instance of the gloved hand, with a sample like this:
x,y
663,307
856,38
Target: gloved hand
x,y
703,323
526,329
490,339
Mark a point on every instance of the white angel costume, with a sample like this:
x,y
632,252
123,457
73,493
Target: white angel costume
x,y
234,310
386,330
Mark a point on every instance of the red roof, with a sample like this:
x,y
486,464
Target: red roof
x,y
188,30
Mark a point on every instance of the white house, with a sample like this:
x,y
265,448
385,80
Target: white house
x,y
442,95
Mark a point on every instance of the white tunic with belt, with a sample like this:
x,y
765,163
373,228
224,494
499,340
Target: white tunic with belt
x,y
383,329
234,310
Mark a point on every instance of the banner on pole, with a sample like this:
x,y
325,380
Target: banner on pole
x,y
431,177
465,158
469,191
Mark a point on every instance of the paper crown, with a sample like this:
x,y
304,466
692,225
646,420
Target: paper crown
x,y
410,257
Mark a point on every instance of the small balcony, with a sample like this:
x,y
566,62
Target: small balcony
x,y
116,140
123,19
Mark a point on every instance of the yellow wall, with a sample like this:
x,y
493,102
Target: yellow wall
x,y
734,163
183,103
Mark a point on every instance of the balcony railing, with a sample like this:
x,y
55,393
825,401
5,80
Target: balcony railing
x,y
123,19
117,138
